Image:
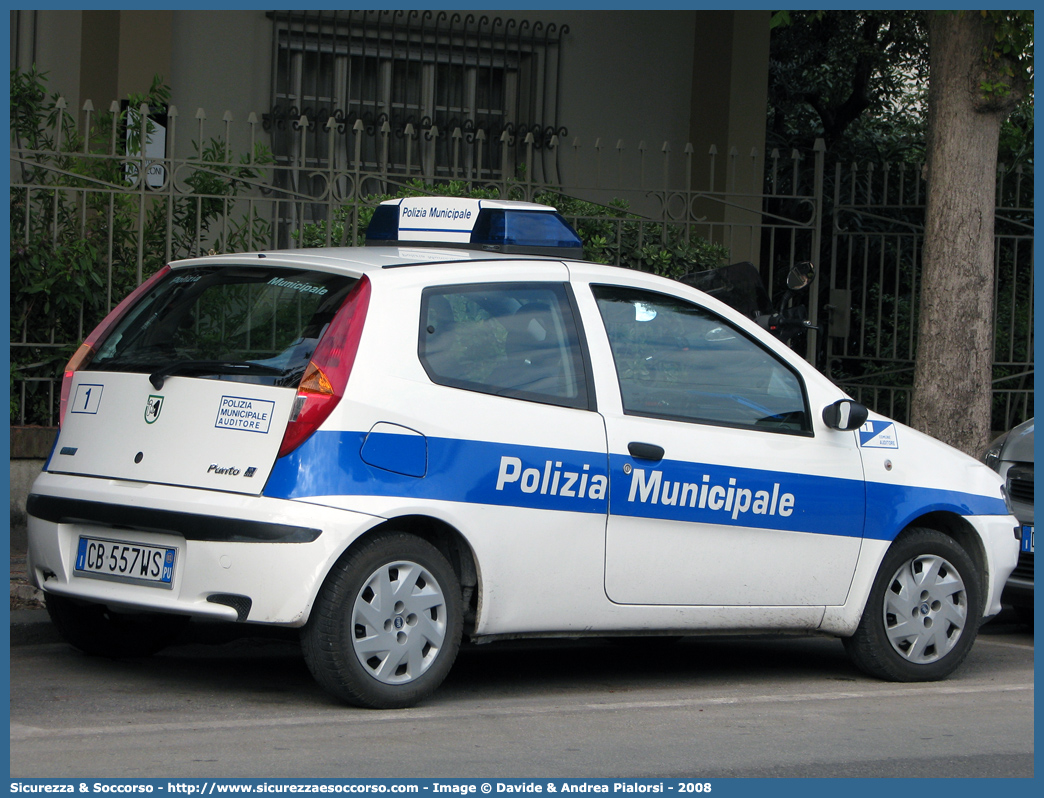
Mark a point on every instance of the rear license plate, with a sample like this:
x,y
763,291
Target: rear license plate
x,y
1027,539
120,561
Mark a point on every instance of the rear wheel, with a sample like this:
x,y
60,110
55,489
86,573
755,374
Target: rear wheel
x,y
923,612
97,630
387,623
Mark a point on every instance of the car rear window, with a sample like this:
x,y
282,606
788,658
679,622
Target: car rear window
x,y
250,324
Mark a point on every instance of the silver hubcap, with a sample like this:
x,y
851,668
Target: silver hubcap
x,y
398,622
925,609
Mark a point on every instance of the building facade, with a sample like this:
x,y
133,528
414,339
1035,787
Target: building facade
x,y
610,86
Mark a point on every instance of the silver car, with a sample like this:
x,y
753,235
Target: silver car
x,y
1011,456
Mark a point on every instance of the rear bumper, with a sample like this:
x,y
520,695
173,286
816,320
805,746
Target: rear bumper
x,y
238,557
189,525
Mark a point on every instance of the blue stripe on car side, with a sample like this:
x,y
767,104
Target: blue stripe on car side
x,y
329,464
689,492
890,508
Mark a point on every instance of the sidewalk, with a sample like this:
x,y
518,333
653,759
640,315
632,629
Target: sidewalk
x,y
29,621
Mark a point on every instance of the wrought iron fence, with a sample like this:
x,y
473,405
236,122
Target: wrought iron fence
x,y
93,212
877,216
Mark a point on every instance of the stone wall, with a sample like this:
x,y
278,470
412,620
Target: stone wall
x,y
30,447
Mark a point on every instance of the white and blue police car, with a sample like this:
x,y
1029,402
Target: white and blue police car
x,y
464,430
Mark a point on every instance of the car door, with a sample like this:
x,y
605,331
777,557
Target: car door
x,y
725,486
498,411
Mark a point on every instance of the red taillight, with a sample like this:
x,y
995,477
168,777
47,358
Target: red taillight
x,y
83,356
326,376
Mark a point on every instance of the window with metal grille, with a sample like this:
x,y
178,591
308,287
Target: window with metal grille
x,y
413,80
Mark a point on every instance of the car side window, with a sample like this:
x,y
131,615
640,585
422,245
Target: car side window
x,y
515,339
677,360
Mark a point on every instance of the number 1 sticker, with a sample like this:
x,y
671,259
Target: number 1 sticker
x,y
87,399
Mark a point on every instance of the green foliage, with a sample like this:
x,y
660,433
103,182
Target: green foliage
x,y
1016,138
216,182
857,79
348,223
77,223
1009,54
610,233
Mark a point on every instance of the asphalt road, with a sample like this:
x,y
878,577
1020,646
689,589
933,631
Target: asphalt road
x,y
702,708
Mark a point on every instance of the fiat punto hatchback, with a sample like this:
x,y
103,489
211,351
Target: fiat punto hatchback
x,y
465,431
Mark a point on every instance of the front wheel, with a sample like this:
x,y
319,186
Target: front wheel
x,y
923,612
387,623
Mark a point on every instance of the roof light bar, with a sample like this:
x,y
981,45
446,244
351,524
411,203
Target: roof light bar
x,y
523,228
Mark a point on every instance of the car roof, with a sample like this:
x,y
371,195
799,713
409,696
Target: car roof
x,y
507,205
363,260
373,261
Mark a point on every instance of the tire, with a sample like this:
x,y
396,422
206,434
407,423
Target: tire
x,y
923,612
387,623
96,630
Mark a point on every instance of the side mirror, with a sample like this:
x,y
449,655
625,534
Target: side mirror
x,y
801,275
845,415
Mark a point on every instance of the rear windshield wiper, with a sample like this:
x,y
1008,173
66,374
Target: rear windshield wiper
x,y
210,367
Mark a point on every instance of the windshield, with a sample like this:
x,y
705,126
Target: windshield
x,y
246,324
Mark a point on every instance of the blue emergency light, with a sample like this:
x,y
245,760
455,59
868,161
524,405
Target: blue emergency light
x,y
523,228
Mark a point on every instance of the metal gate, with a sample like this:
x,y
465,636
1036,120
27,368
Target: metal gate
x,y
877,219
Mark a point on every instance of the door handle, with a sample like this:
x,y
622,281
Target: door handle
x,y
645,451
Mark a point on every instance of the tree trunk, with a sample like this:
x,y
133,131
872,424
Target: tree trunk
x,y
954,367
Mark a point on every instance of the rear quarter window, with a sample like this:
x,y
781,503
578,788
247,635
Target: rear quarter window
x,y
514,340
